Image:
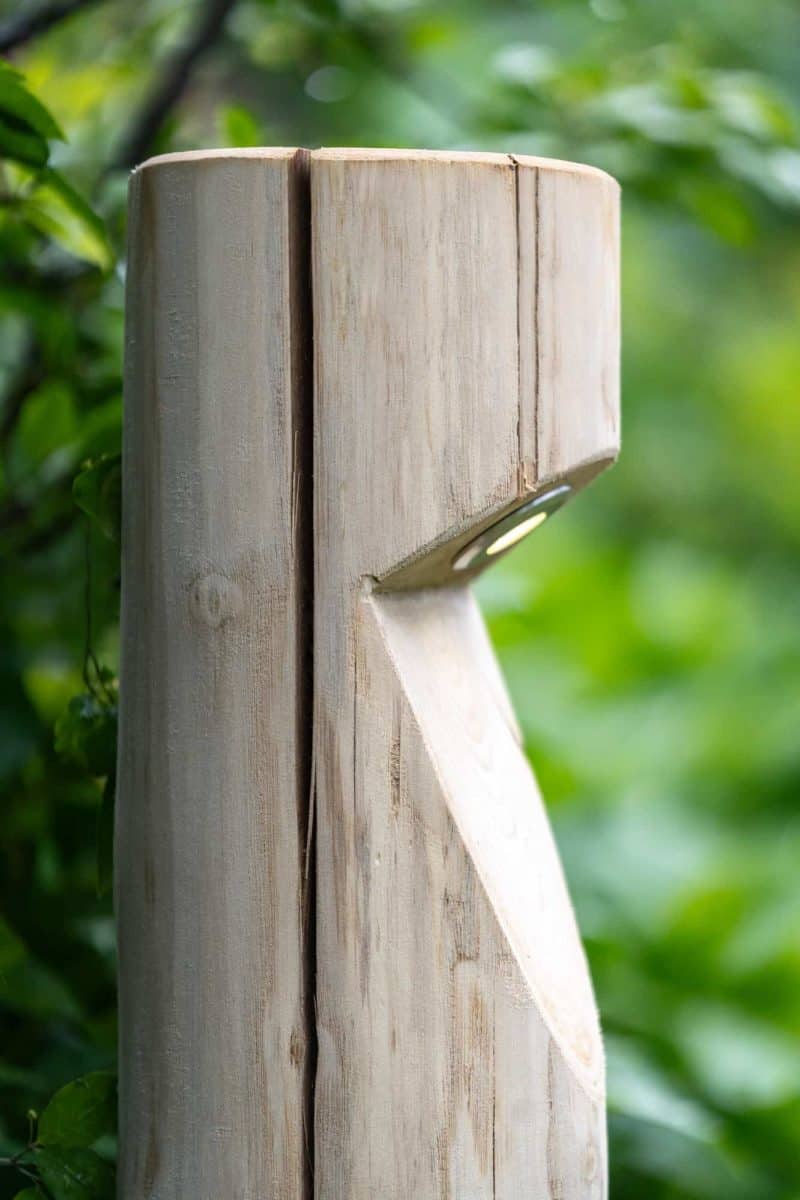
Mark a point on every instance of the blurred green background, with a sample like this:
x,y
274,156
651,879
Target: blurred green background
x,y
650,635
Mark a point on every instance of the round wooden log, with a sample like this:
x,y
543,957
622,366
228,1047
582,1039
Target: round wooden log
x,y
466,341
349,967
215,704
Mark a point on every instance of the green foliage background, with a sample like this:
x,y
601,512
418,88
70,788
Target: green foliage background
x,y
650,636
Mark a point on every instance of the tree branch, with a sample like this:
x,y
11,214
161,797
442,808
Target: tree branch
x,y
25,25
169,87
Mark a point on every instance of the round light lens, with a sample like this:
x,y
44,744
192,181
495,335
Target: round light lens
x,y
511,529
506,540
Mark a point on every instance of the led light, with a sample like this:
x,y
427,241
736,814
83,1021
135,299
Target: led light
x,y
515,535
511,529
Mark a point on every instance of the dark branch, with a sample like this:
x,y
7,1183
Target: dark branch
x,y
25,25
170,85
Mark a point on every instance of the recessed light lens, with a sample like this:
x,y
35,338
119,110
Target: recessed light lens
x,y
511,529
515,535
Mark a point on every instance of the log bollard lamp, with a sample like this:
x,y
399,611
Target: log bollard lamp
x,y
349,967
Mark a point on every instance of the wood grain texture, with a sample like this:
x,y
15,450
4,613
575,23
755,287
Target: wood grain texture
x,y
459,1050
213,770
464,327
569,316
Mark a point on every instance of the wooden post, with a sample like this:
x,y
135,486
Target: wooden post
x,y
433,1015
215,713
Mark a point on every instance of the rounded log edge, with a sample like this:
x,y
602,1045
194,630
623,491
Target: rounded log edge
x,y
377,154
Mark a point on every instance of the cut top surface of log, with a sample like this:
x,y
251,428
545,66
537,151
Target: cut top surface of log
x,y
376,154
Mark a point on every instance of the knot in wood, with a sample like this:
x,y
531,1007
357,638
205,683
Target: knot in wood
x,y
215,599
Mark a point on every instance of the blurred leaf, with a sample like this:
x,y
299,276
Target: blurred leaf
x,y
742,1062
638,1089
75,1174
56,209
720,208
748,104
97,490
81,1112
25,124
46,435
30,988
17,102
22,145
525,64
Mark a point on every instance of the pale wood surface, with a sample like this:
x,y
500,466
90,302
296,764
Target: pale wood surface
x,y
569,316
465,327
212,774
459,1050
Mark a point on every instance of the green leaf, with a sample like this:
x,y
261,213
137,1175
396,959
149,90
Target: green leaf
x,y
22,145
105,837
20,106
97,490
81,1112
75,1174
49,425
86,734
55,208
25,124
31,1193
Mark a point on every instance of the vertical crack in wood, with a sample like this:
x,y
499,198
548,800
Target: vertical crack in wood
x,y
494,1085
553,1182
520,457
355,727
215,872
536,323
521,460
303,524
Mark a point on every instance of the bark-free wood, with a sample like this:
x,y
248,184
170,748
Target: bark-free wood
x,y
569,316
464,328
213,775
465,317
